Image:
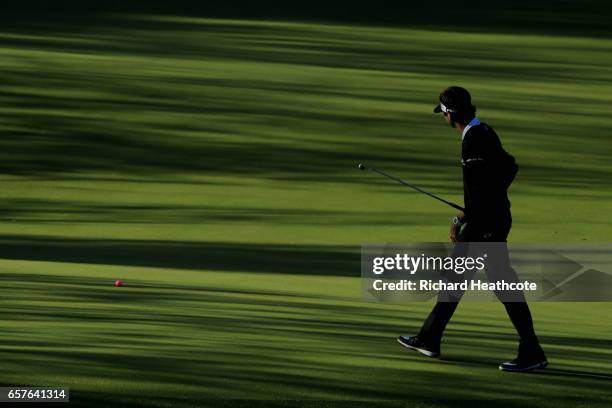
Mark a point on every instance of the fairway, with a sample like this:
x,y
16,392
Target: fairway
x,y
210,164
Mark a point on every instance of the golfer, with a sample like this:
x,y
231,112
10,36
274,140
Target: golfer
x,y
488,171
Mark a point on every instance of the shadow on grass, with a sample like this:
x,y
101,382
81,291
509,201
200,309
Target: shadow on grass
x,y
79,212
227,257
554,17
549,371
249,344
149,96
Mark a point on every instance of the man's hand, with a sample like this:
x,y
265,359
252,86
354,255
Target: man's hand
x,y
455,227
454,232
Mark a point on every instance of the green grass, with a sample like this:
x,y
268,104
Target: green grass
x,y
211,165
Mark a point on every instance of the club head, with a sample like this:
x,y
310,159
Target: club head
x,y
361,166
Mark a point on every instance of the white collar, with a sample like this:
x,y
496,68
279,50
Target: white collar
x,y
474,122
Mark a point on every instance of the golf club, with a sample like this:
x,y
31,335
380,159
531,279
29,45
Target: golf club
x,y
363,167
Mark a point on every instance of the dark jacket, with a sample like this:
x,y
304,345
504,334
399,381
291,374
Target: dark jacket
x,y
488,171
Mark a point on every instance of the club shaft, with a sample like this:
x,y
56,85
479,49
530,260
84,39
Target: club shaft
x,y
382,173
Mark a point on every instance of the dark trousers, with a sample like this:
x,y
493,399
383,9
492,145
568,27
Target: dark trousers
x,y
517,309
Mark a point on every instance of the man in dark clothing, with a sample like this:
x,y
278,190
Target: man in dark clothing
x,y
488,171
